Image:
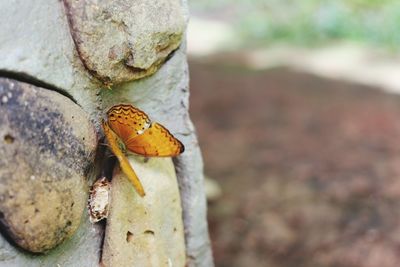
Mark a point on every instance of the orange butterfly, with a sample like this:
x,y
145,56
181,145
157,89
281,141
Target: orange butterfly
x,y
128,128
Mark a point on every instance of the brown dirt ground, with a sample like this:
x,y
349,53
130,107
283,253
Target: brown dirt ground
x,y
309,167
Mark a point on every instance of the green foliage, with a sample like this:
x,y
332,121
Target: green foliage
x,y
310,22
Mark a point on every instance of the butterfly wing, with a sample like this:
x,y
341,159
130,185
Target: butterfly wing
x,y
156,141
123,161
127,121
135,130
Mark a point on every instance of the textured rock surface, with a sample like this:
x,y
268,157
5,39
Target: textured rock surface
x,y
145,231
166,100
35,43
122,40
41,47
80,250
47,145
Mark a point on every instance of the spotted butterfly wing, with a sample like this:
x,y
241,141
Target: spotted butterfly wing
x,y
127,121
156,141
141,136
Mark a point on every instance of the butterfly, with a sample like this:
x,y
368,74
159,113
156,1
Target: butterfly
x,y
129,129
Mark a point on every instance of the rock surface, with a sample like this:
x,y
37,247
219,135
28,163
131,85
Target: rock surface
x,y
166,101
120,41
145,231
47,145
41,49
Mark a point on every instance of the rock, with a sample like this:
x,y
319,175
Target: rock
x,y
43,51
120,41
47,146
145,231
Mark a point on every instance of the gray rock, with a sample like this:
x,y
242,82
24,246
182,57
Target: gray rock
x,y
47,145
120,41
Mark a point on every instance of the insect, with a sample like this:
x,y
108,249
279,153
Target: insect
x,y
129,129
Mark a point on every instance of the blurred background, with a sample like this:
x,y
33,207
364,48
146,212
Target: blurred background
x,y
297,108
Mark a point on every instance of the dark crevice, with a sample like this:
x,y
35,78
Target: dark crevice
x,y
104,164
26,78
99,172
129,236
172,53
108,165
9,139
102,224
149,232
135,69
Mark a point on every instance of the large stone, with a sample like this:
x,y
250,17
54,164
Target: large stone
x,y
145,231
122,40
47,145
